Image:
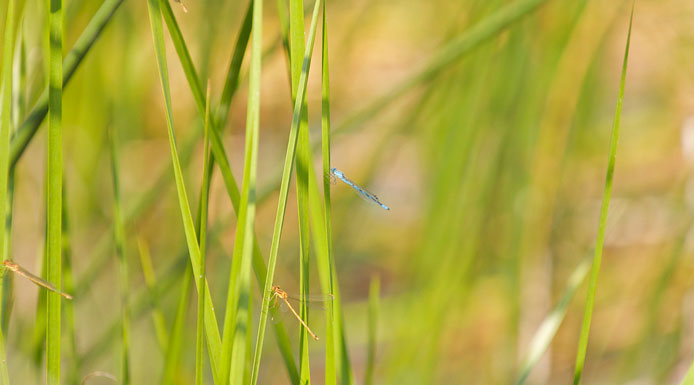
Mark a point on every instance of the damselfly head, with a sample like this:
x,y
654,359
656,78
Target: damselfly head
x,y
330,177
183,6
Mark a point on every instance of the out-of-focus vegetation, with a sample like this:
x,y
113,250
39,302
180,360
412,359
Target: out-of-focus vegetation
x,y
485,126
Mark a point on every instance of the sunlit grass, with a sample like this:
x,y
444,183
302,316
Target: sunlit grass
x,y
479,123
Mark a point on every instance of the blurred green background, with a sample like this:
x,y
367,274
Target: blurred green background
x,y
493,166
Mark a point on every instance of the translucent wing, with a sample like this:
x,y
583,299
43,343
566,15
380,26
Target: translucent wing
x,y
369,197
364,193
282,296
312,298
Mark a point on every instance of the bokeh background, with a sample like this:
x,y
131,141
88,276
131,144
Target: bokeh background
x,y
493,166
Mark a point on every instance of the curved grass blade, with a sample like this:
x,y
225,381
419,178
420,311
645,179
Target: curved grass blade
x,y
607,194
211,328
548,329
284,192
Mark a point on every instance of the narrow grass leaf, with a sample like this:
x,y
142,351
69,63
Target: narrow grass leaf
x,y
5,130
204,197
54,169
325,268
303,164
548,329
211,326
243,245
175,343
119,241
607,194
284,192
69,285
329,283
151,282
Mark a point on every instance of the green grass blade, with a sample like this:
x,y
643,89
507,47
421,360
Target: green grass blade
x,y
219,155
181,49
374,295
283,18
55,179
119,241
231,82
18,111
173,348
69,286
329,283
284,192
325,268
74,58
5,130
204,197
607,193
211,326
321,222
160,328
243,245
548,329
303,167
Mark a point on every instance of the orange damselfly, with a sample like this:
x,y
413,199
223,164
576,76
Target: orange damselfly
x,y
280,294
9,265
